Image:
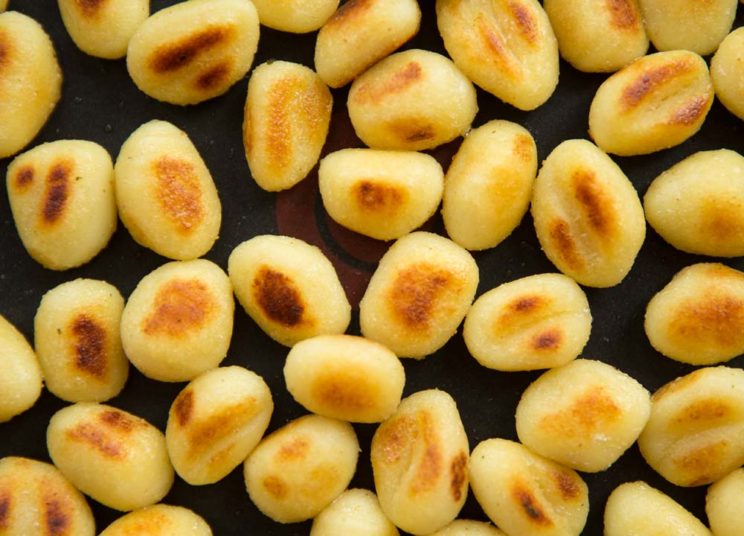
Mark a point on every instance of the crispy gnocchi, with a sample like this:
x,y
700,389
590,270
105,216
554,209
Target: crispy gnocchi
x,y
723,504
382,194
295,16
193,51
488,185
166,197
116,458
21,379
159,520
298,470
466,527
178,321
727,72
411,101
355,511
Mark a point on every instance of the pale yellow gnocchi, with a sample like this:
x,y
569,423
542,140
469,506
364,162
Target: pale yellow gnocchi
x,y
159,520
727,72
21,379
723,504
295,16
355,511
466,527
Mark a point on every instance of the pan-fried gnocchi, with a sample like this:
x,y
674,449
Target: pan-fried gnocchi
x,y
382,194
598,36
77,340
727,72
695,435
698,317
297,471
117,458
507,47
30,81
345,377
723,504
286,118
289,288
419,294
536,322
62,198
215,422
295,16
656,102
37,499
103,28
585,414
488,185
165,193
360,33
193,51
526,494
411,101
178,321
20,381
420,462
159,520
466,527
355,511
587,214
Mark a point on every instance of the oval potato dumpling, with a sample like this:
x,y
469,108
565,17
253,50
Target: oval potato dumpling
x,y
466,527
30,81
656,102
359,34
295,16
103,28
411,101
587,214
345,377
286,118
21,379
598,37
193,51
165,193
695,435
382,194
298,470
585,414
215,422
536,322
37,499
507,47
355,511
420,462
488,185
78,342
419,294
159,520
117,458
289,288
727,72
723,504
637,508
178,321
62,198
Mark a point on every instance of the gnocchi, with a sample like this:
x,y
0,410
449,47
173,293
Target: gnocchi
x,y
355,511
727,72
159,520
21,379
296,16
722,504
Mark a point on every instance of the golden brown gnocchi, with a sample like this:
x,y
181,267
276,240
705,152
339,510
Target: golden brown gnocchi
x,y
355,511
20,381
723,504
296,16
159,520
727,72
466,527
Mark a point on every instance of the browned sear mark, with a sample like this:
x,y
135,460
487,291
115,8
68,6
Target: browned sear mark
x,y
568,485
180,305
93,436
118,420
275,486
560,235
5,503
183,406
4,50
714,317
400,80
458,470
173,57
375,196
704,411
179,192
530,506
342,391
24,177
547,340
57,518
652,79
57,191
394,438
431,465
691,112
526,23
348,11
214,77
278,297
294,450
586,414
526,304
416,291
623,14
89,346
90,8
596,207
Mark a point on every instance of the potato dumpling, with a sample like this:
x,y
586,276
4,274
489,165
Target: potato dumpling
x,y
20,382
420,462
345,377
193,51
62,198
36,499
355,512
286,118
585,414
637,508
598,37
78,341
723,504
215,422
382,194
587,214
102,28
117,458
688,24
727,72
30,81
412,100
466,527
695,435
488,185
656,102
536,322
507,47
178,321
698,318
295,16
418,295
165,193
361,33
294,473
159,520
289,288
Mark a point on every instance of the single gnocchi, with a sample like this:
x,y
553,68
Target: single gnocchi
x,y
722,504
295,16
159,520
727,72
355,511
466,527
21,379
